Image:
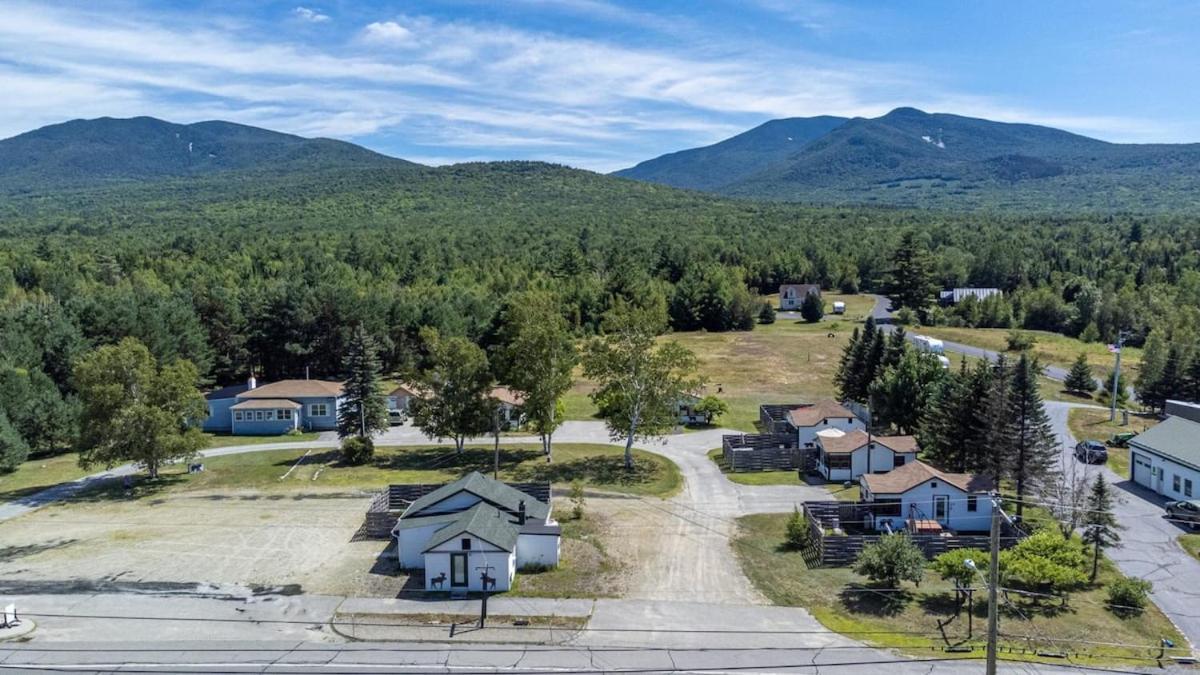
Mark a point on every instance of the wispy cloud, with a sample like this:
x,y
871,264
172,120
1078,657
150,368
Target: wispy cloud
x,y
310,15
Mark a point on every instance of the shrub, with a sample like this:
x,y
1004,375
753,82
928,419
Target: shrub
x,y
1127,597
905,316
357,450
577,499
712,407
812,308
766,314
1045,562
894,559
1019,341
797,530
952,565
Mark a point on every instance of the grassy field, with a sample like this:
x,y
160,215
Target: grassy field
x,y
586,569
1086,424
843,602
36,475
597,466
1052,348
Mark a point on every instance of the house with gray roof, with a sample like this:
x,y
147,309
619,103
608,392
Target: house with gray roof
x,y
475,527
1166,458
274,409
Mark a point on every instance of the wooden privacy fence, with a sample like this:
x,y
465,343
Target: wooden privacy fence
x,y
765,452
840,550
386,507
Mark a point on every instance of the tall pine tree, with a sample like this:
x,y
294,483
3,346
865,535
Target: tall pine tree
x,y
995,420
1099,524
912,284
1080,379
364,409
1034,446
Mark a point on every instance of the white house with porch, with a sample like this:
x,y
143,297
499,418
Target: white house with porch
x,y
843,456
922,499
473,528
809,419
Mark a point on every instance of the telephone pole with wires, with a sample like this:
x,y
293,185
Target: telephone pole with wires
x,y
1117,386
993,628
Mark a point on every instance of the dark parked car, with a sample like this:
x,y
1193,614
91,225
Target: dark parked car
x,y
1091,452
1187,512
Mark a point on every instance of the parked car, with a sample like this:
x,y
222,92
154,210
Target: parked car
x,y
1187,512
1091,452
395,417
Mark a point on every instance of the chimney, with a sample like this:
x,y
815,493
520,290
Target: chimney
x,y
251,383
521,512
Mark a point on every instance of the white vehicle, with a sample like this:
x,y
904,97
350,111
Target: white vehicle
x,y
925,343
839,307
944,361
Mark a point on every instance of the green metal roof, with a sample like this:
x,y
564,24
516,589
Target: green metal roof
x,y
1175,438
481,521
492,491
408,523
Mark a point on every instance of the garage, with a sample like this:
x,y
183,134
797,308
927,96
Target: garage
x,y
1166,458
1142,470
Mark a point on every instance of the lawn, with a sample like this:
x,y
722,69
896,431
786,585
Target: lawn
x,y
1191,544
586,569
35,475
597,466
1052,348
755,477
226,440
843,602
1088,424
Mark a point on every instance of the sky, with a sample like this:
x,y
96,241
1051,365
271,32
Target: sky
x,y
597,84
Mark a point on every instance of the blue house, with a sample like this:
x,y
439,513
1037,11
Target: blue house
x,y
274,409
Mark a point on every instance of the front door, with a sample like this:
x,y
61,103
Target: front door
x,y
458,569
941,507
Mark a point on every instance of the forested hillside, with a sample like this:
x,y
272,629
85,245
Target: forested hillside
x,y
910,158
271,272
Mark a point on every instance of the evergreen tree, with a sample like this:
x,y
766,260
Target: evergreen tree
x,y
900,395
912,283
13,449
995,421
1154,359
1100,525
872,366
812,308
46,421
1191,381
364,409
1167,384
948,425
1106,390
1080,379
766,315
843,378
897,345
1034,445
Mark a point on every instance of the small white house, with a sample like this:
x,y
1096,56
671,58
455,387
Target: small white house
x,y
846,456
920,498
808,419
791,296
473,527
1166,458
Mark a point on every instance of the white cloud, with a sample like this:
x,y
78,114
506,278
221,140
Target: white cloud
x,y
310,15
388,33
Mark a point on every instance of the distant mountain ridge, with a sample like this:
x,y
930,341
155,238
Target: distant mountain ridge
x,y
90,152
913,158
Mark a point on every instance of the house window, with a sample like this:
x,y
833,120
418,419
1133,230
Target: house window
x,y
259,415
837,461
972,503
1187,487
1175,482
237,416
318,410
898,460
466,544
886,507
270,415
283,414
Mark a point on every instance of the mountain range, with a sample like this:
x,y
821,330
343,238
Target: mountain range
x,y
912,158
906,158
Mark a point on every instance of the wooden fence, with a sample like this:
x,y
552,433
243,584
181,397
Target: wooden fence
x,y
841,550
764,452
386,507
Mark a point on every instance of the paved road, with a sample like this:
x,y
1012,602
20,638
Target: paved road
x,y
1149,542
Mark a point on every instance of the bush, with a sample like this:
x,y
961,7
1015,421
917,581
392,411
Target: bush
x,y
357,450
905,316
1045,562
952,565
813,308
294,432
577,499
894,559
1019,341
712,407
1128,597
766,314
797,530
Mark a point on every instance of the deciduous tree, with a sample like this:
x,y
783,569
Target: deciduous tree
x,y
458,384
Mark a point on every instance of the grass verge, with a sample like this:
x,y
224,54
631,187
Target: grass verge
x,y
226,440
1191,544
1088,424
35,475
918,620
755,477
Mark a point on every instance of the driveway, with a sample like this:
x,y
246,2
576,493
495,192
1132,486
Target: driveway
x,y
1149,548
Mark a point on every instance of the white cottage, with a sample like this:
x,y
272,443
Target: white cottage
x,y
809,419
920,498
846,456
473,527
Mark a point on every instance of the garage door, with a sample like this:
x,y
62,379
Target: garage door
x,y
1142,474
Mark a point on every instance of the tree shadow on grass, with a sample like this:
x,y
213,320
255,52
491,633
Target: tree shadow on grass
x,y
11,553
595,470
447,459
874,600
115,489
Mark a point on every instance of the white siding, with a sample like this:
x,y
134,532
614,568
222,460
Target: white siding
x,y
410,544
807,436
503,566
882,461
958,516
1162,474
537,549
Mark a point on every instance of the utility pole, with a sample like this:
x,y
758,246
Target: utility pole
x,y
1112,413
993,627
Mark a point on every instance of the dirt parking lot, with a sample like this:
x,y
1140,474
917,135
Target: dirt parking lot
x,y
294,543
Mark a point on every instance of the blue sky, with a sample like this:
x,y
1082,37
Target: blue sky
x,y
597,84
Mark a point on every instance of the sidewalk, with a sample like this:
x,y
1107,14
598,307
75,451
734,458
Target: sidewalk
x,y
547,620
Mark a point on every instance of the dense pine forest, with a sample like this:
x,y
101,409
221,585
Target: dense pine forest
x,y
273,272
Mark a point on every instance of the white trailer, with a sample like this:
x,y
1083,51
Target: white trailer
x,y
928,344
839,307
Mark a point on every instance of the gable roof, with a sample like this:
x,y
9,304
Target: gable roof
x,y
1175,437
295,389
898,443
840,444
229,391
812,414
482,521
407,389
506,395
801,289
491,491
902,479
